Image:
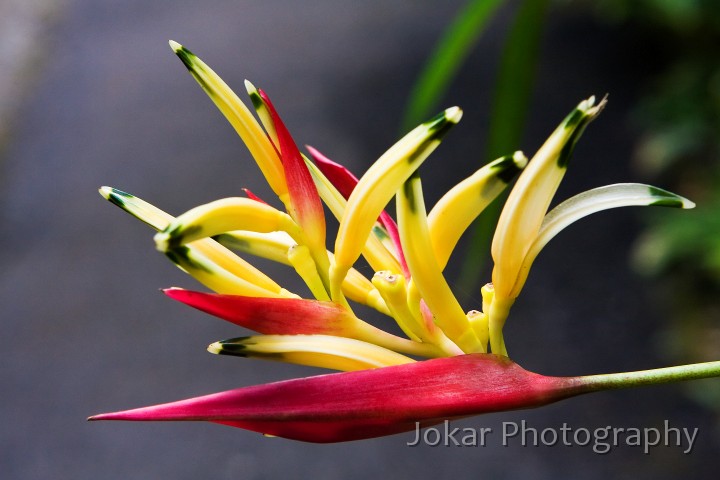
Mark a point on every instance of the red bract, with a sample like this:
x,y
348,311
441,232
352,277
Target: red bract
x,y
342,178
306,207
252,196
370,403
282,316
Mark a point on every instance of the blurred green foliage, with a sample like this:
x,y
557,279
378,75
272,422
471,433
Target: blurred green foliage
x,y
679,115
680,149
446,59
510,100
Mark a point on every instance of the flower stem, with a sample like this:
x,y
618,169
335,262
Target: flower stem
x,y
651,377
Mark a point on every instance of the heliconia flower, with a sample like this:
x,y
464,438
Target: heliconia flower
x,y
452,361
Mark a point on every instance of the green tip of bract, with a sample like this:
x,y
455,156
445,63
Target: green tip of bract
x,y
105,192
584,113
510,166
254,95
440,124
453,114
589,107
233,346
162,241
183,53
663,198
520,160
115,196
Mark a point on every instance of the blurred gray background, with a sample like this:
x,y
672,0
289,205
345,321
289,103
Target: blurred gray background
x,y
92,95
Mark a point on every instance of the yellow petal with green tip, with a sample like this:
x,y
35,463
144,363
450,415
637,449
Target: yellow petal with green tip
x,y
460,206
222,216
593,201
375,189
323,351
529,199
426,273
262,111
374,251
239,117
203,269
207,261
138,208
524,210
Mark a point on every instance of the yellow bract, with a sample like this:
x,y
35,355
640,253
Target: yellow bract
x,y
379,184
324,351
239,117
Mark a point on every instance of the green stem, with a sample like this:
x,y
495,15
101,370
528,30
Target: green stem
x,y
651,377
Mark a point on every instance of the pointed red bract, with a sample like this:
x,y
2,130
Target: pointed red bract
x,y
271,316
370,403
344,180
306,207
252,196
341,178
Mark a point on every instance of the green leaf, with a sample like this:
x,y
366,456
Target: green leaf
x,y
449,54
510,105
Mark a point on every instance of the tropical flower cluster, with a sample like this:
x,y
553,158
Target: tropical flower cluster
x,y
451,362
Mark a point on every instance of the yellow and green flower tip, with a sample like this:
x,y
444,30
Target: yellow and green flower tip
x,y
262,110
379,184
239,117
206,260
223,216
270,245
529,199
593,201
452,360
325,351
525,209
460,206
375,251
